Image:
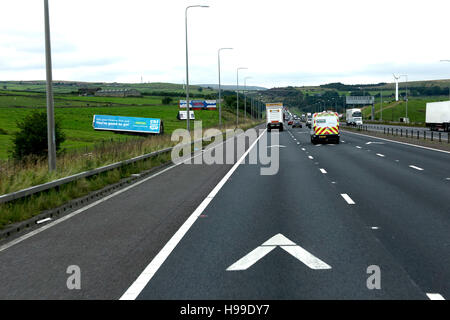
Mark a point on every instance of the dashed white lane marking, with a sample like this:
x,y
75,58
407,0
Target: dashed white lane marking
x,y
397,160
303,149
447,178
43,220
310,157
358,147
144,278
380,155
347,198
333,182
374,228
417,168
435,296
323,171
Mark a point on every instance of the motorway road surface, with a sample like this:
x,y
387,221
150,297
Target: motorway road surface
x,y
309,232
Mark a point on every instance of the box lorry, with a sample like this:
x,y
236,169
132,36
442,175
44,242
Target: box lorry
x,y
325,127
437,115
354,117
274,116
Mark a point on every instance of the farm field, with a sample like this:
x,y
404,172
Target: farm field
x,y
76,114
395,110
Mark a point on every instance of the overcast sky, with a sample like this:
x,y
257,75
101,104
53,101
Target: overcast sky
x,y
282,42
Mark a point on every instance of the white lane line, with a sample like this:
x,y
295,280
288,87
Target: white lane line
x,y
347,198
374,228
303,149
435,296
144,278
358,147
70,215
417,168
380,155
407,144
43,220
310,157
323,171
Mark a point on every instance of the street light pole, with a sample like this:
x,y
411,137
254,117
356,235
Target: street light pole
x,y
187,62
50,107
245,96
220,89
237,94
405,75
449,86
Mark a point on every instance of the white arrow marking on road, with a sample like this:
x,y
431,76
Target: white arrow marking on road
x,y
287,245
372,142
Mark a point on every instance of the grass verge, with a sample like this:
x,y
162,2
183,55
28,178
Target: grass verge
x,y
36,173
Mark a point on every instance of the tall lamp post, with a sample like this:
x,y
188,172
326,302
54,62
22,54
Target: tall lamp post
x,y
50,107
187,61
237,93
245,96
220,89
406,76
449,86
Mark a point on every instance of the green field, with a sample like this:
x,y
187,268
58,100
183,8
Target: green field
x,y
394,111
76,114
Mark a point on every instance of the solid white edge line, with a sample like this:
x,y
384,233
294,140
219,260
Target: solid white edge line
x,y
435,296
347,198
144,278
417,168
399,142
70,215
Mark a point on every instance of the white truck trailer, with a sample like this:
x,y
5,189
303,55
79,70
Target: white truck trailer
x,y
437,115
274,116
354,117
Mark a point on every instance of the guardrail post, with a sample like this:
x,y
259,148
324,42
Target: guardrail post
x,y
417,134
431,135
401,132
384,130
440,137
424,135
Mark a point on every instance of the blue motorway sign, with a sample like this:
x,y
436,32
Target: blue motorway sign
x,y
127,124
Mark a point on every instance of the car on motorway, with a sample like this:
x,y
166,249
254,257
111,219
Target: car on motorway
x,y
325,127
297,124
290,122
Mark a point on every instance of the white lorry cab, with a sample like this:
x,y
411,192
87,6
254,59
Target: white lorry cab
x,y
325,127
274,116
354,117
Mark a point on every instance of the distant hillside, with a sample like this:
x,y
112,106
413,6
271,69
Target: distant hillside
x,y
230,87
